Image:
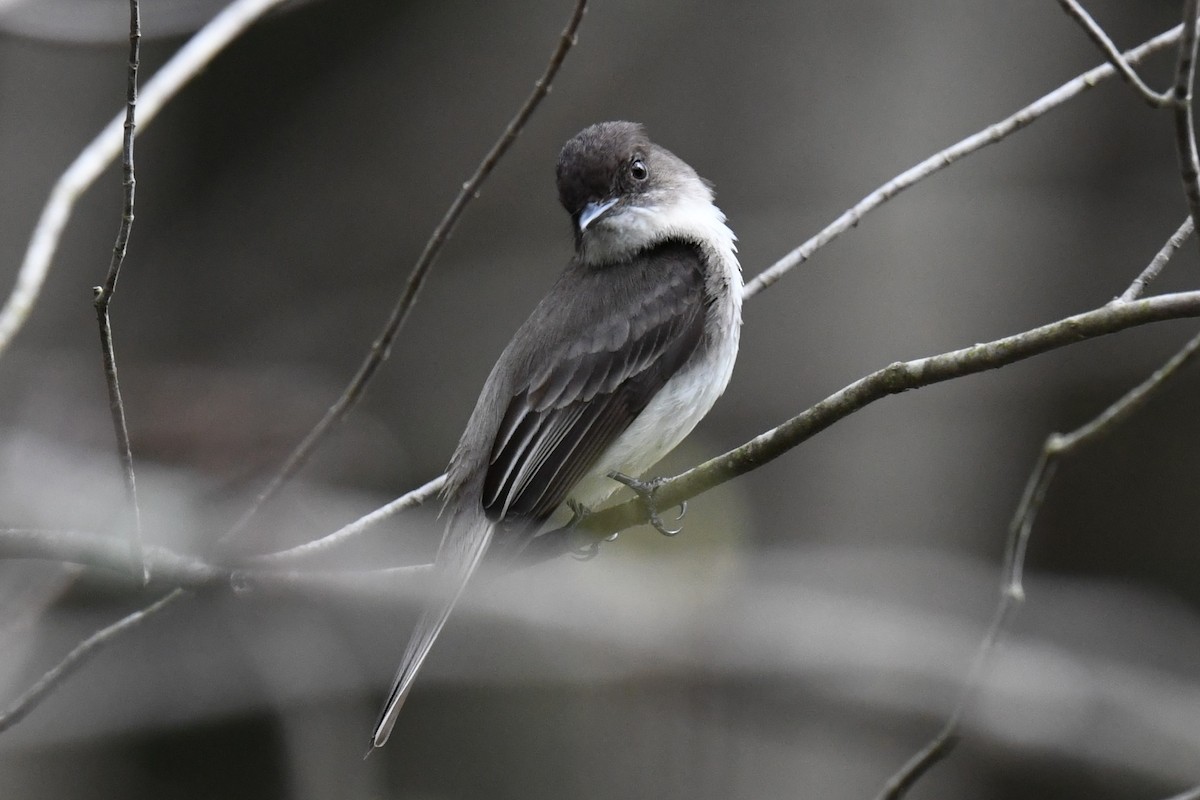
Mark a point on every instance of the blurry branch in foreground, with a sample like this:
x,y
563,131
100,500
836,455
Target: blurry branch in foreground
x,y
1190,794
1126,312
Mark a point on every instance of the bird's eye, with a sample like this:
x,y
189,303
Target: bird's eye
x,y
638,170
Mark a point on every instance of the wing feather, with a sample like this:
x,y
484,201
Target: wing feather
x,y
576,403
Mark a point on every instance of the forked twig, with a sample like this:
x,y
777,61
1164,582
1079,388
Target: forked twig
x,y
1178,98
1097,34
103,295
1012,591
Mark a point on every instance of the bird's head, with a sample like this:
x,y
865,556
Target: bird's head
x,y
624,193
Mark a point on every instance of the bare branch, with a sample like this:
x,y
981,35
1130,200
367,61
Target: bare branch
x,y
1118,412
177,570
1158,262
1012,590
87,166
78,657
103,552
380,347
406,501
939,161
896,378
1179,97
1097,35
1185,128
102,296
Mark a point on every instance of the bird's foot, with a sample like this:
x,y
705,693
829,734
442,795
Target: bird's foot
x,y
647,492
580,512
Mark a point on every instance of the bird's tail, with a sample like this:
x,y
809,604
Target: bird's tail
x,y
468,534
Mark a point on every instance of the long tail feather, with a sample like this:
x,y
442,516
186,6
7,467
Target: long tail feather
x,y
468,534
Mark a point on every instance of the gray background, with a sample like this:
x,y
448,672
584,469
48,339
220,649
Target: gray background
x,y
810,629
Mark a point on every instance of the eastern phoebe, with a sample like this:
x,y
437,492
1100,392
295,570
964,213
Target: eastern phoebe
x,y
616,365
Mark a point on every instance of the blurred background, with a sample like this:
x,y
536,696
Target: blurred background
x,y
811,628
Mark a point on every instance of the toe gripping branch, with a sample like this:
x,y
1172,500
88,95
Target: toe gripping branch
x,y
647,492
580,512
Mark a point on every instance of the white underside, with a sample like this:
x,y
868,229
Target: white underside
x,y
688,396
671,415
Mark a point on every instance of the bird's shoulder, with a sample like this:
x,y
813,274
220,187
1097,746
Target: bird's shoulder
x,y
596,310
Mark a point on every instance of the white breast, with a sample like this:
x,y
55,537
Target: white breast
x,y
689,395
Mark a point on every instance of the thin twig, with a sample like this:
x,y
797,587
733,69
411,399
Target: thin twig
x,y
939,161
1097,35
100,152
1185,128
325,543
1158,262
1178,97
382,344
103,295
1012,591
79,656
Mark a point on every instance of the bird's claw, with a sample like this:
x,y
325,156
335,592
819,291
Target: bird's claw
x,y
590,550
586,552
579,512
646,492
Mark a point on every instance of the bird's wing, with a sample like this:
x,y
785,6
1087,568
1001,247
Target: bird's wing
x,y
563,415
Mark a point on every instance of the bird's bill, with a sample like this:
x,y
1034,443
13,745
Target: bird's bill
x,y
593,210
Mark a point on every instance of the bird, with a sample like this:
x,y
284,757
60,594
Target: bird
x,y
618,362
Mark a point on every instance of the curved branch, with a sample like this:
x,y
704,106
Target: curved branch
x,y
1101,39
1012,588
893,379
402,503
78,656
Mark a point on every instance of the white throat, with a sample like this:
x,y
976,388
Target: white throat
x,y
690,216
